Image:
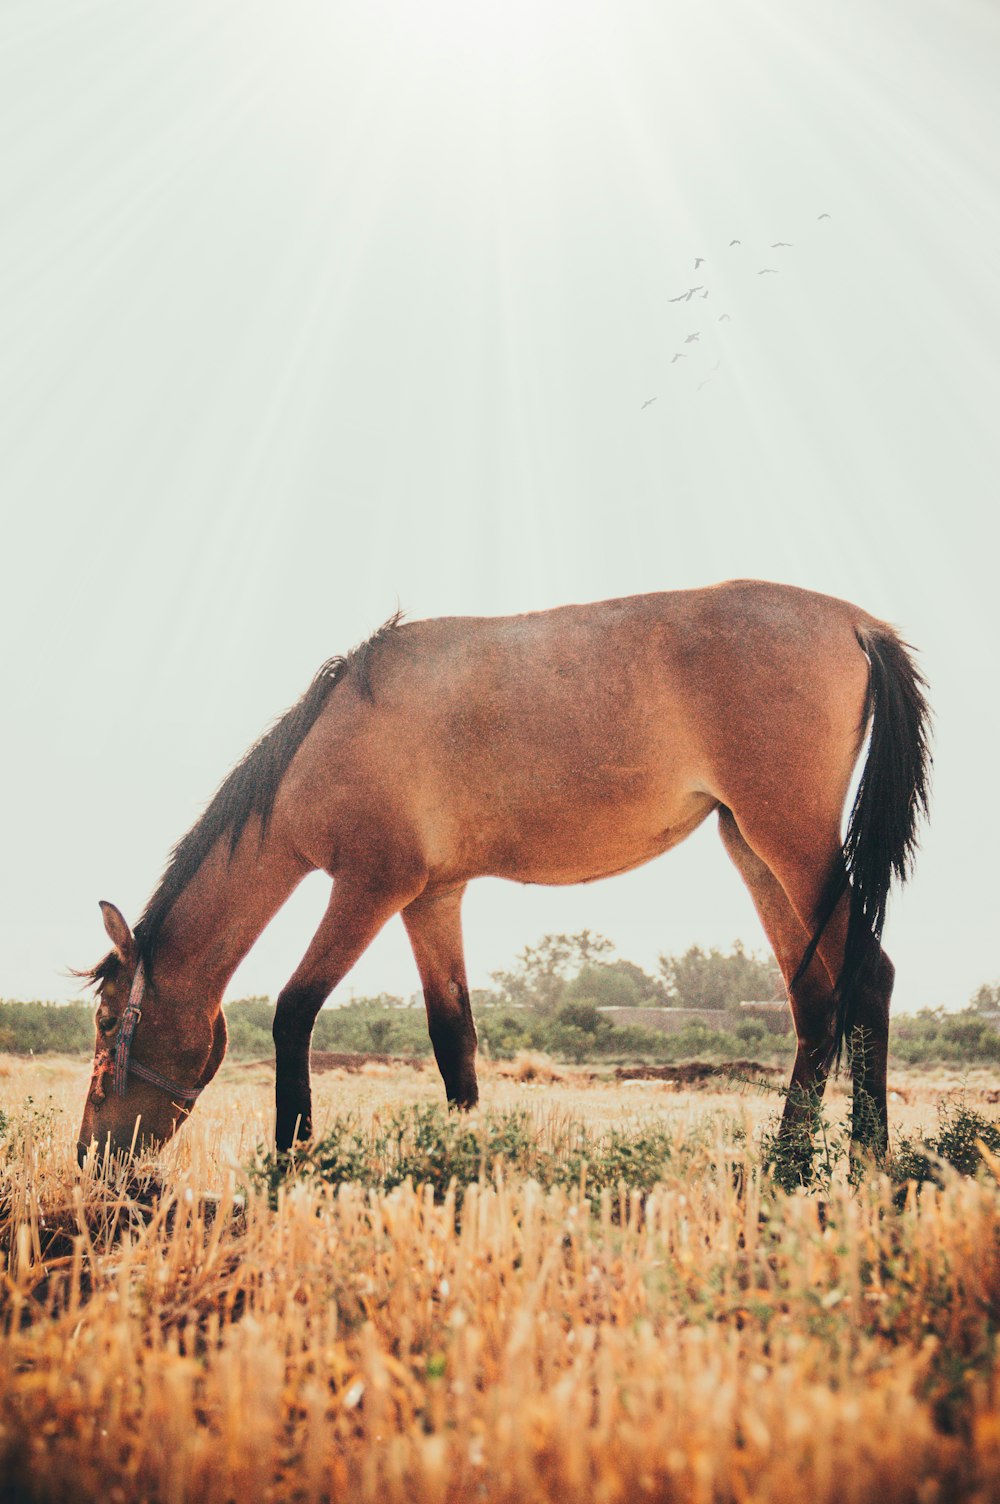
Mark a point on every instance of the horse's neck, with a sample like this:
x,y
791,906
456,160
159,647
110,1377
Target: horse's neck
x,y
220,913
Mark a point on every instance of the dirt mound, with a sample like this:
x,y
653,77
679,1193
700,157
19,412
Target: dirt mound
x,y
695,1072
530,1065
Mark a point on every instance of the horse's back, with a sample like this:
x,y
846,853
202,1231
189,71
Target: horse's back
x,y
571,743
673,673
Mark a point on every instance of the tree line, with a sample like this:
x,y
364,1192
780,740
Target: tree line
x,y
582,969
555,998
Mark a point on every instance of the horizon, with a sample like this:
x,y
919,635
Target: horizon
x,y
347,994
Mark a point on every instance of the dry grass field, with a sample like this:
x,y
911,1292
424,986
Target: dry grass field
x,y
713,1340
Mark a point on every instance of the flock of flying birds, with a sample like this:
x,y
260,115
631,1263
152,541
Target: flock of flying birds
x,y
701,291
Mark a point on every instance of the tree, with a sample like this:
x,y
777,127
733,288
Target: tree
x,y
582,1016
616,984
541,972
713,979
987,999
380,1032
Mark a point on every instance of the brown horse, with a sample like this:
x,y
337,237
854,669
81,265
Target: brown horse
x,y
556,747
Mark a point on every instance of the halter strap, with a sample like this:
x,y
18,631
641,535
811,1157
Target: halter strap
x,y
124,1067
129,1019
181,1093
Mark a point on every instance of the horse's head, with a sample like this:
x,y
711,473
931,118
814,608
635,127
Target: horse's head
x,y
154,1053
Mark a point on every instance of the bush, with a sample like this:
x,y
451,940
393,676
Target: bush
x,y
429,1146
805,1153
503,1032
364,1027
367,1027
576,1030
249,1023
753,1033
956,1143
44,1028
582,1016
810,1152
933,1037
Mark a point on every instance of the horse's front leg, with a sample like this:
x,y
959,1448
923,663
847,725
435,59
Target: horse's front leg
x,y
434,926
356,912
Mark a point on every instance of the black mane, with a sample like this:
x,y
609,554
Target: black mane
x,y
249,790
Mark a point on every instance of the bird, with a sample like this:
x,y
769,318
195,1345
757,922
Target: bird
x,y
685,297
697,262
705,293
724,316
679,356
692,337
648,403
736,242
764,269
775,244
823,216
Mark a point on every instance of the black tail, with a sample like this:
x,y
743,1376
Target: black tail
x,y
881,838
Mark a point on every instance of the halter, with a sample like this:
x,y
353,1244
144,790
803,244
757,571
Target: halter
x,y
124,1067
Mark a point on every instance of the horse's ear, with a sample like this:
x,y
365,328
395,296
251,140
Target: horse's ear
x,y
119,934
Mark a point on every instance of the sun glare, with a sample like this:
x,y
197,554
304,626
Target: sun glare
x,y
495,29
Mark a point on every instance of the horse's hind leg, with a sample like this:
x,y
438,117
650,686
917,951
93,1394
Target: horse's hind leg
x,y
811,999
799,872
867,1042
434,926
868,1050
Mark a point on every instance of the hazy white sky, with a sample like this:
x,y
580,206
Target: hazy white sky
x,y
312,309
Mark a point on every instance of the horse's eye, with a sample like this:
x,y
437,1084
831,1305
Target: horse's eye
x,y
108,1024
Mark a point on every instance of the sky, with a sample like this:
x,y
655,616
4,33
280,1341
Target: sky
x,y
315,310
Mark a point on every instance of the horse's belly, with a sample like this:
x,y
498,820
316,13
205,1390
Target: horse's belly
x,y
591,844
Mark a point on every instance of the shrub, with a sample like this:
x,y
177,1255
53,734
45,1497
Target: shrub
x,y
38,1028
503,1032
583,1016
807,1152
960,1131
429,1146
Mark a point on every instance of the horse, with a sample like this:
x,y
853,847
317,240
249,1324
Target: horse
x,y
553,747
